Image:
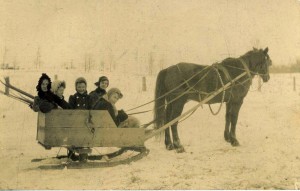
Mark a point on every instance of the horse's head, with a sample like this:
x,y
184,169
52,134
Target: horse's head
x,y
260,62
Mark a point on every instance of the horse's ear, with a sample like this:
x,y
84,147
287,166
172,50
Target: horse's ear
x,y
266,50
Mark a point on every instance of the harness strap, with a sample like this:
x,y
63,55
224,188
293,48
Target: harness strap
x,y
183,78
246,67
227,75
225,71
215,66
189,87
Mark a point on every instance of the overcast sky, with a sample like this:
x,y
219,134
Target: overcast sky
x,y
126,31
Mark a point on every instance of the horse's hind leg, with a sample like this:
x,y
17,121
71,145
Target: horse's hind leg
x,y
227,124
177,110
176,141
168,141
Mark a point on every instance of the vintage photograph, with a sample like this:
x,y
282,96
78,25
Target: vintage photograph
x,y
149,95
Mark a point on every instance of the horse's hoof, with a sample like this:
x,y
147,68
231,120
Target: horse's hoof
x,y
227,137
180,150
235,143
169,147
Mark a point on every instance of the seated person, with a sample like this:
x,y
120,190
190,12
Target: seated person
x,y
108,103
81,99
99,92
58,87
47,100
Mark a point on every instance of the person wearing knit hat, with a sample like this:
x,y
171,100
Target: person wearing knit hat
x,y
125,121
114,90
44,83
82,81
95,95
46,99
81,99
108,103
58,87
103,82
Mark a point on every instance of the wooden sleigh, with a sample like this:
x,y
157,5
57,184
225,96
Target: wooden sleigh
x,y
82,130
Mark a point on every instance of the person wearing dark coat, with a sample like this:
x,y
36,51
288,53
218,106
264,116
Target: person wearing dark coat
x,y
81,99
99,92
47,100
108,103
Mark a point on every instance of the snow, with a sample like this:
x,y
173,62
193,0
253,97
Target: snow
x,y
268,130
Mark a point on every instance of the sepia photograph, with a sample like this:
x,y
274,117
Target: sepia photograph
x,y
149,95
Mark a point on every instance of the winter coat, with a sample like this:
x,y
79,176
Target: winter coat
x,y
118,116
80,101
95,96
46,101
131,122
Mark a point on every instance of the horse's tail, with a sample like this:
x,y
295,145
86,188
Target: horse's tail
x,y
159,105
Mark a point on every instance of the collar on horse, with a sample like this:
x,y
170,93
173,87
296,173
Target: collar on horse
x,y
247,70
246,67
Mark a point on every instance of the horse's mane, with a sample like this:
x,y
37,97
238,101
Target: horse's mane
x,y
252,51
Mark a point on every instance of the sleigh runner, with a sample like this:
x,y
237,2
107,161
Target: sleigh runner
x,y
83,130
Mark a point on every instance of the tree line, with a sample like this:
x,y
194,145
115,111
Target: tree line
x,y
291,68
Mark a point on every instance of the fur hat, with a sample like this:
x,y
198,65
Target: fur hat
x,y
80,80
42,78
57,84
102,78
114,90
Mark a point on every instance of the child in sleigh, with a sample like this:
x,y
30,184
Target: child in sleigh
x,y
121,119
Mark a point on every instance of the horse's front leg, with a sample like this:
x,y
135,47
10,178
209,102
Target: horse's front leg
x,y
227,124
235,108
168,141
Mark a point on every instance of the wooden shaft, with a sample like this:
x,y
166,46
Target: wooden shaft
x,y
6,88
159,130
18,90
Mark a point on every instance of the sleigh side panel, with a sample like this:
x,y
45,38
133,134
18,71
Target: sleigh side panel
x,y
83,128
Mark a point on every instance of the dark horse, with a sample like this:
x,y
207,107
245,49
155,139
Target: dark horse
x,y
179,83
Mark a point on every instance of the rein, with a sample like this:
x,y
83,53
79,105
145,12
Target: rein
x,y
177,97
223,94
169,92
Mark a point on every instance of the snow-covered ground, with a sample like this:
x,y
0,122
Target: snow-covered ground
x,y
268,131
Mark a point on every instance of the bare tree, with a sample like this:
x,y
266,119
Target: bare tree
x,y
38,59
151,63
